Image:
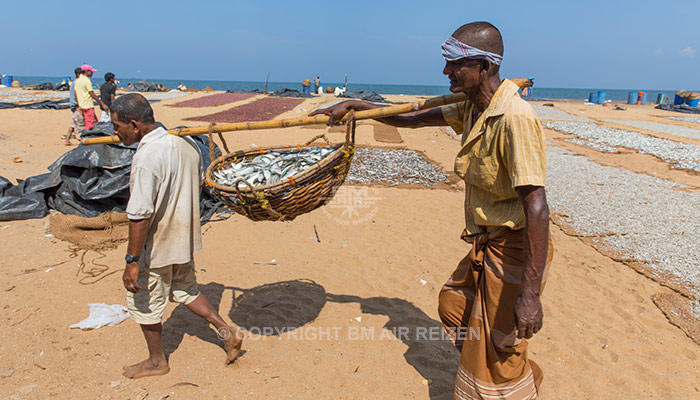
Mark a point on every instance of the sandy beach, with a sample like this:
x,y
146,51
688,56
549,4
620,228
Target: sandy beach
x,y
341,288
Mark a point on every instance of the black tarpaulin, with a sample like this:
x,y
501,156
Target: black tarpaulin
x,y
363,95
289,93
87,181
40,105
144,86
684,108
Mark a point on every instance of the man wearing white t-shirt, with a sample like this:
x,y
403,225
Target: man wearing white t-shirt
x,y
164,231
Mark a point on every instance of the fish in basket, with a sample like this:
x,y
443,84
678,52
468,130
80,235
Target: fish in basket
x,y
281,183
271,167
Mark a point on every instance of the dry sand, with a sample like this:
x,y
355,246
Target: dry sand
x,y
603,336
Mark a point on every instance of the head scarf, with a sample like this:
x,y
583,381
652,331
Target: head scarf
x,y
453,50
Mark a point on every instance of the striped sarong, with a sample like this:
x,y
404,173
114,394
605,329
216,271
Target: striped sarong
x,y
476,307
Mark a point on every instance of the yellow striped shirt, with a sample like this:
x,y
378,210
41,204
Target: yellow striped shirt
x,y
504,148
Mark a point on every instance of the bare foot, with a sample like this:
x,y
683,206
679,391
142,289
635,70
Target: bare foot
x,y
233,339
146,368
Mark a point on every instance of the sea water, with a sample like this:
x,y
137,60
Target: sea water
x,y
415,90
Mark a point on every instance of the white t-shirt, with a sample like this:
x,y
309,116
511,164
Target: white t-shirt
x,y
165,182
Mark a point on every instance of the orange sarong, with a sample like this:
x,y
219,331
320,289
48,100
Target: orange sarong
x,y
476,307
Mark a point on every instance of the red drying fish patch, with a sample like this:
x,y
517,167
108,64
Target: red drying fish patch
x,y
214,100
259,110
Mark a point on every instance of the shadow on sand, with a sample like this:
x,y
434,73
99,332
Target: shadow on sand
x,y
289,305
183,321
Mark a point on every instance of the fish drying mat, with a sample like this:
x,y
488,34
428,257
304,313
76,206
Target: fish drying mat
x,y
283,200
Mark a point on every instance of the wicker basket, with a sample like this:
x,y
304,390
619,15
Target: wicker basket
x,y
284,200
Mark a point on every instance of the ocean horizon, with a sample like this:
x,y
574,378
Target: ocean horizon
x,y
414,90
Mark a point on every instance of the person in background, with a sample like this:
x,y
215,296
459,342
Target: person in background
x,y
181,87
108,92
85,96
317,84
77,122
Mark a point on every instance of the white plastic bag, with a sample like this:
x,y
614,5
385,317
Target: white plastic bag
x,y
101,315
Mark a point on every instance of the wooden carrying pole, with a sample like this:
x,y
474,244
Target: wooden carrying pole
x,y
318,119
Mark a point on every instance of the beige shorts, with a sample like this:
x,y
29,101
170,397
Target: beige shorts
x,y
176,282
77,122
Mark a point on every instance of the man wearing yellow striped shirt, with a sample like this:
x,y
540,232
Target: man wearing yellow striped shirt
x,y
491,303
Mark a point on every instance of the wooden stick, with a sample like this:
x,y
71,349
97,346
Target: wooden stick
x,y
318,119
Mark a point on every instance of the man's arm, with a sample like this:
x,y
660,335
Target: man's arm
x,y
417,119
103,106
528,309
138,230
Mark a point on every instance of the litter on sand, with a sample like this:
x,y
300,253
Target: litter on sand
x,y
271,262
318,239
101,315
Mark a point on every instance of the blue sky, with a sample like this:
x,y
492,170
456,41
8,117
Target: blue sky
x,y
591,44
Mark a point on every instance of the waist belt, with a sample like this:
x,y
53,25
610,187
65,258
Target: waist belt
x,y
479,242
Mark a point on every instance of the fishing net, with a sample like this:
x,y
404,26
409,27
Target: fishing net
x,y
286,199
104,232
98,234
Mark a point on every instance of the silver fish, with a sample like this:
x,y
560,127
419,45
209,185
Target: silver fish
x,y
271,167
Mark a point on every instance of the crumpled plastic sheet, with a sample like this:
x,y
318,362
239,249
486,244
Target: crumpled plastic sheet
x,y
684,108
51,86
289,93
16,202
101,315
258,91
44,86
144,86
88,181
363,95
40,105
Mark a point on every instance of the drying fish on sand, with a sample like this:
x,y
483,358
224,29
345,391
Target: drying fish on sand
x,y
271,167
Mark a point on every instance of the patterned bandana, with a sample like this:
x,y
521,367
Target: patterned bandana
x,y
453,50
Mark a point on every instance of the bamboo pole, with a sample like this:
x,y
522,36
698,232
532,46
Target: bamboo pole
x,y
318,119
